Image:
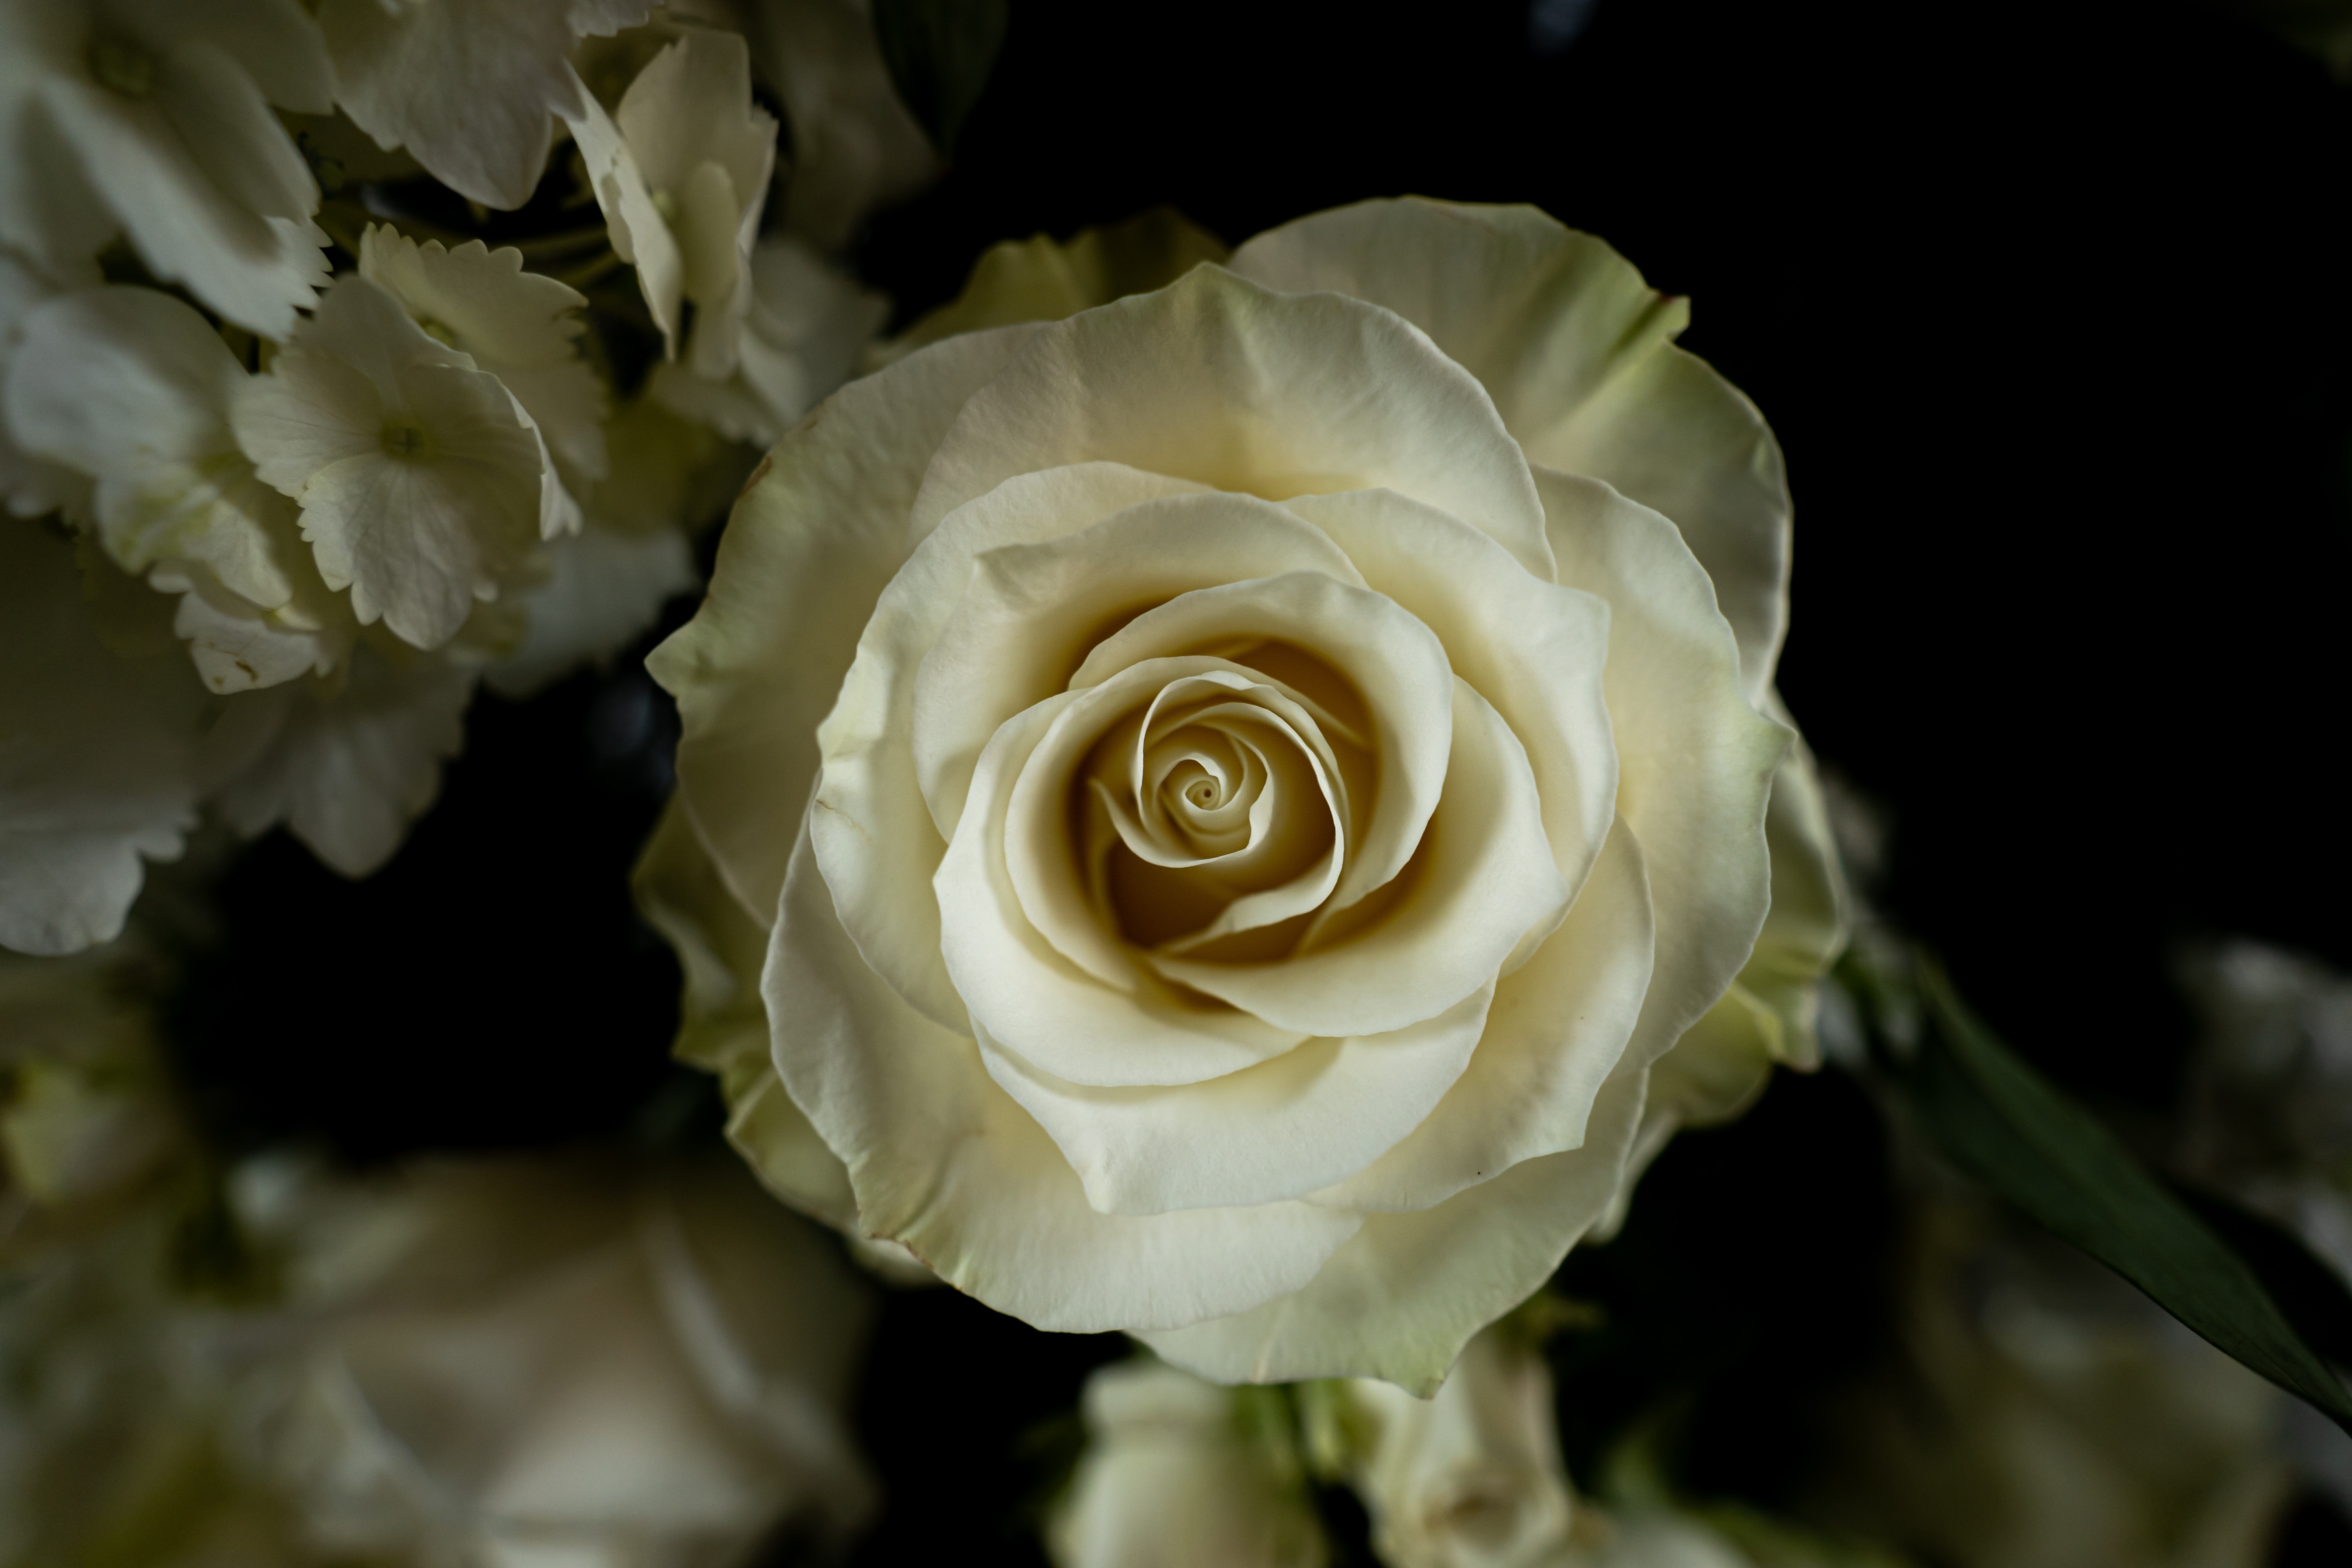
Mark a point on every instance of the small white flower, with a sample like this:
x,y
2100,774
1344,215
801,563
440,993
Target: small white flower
x,y
1470,1478
605,588
131,388
521,328
1173,1474
681,170
807,327
419,476
469,87
154,120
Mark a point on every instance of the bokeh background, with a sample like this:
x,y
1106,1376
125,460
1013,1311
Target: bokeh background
x,y
2050,306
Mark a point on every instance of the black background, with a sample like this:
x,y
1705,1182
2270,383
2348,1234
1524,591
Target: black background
x,y
2050,306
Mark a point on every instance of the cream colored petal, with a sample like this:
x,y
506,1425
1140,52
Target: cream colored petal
x,y
569,404
1811,913
238,648
1578,352
133,388
1031,996
873,828
352,766
1042,278
1216,380
1532,649
723,1027
310,412
820,530
226,122
1395,662
1033,611
364,324
253,270
29,486
1403,1297
97,756
1694,761
691,105
469,86
640,236
275,42
1558,1030
606,589
1483,880
944,1160
1261,1135
508,319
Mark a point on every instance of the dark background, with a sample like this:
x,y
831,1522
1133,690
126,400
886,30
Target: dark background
x,y
2050,306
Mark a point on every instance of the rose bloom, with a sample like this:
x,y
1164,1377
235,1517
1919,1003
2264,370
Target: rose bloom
x,y
1240,814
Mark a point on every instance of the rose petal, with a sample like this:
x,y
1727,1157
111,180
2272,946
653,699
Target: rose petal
x,y
942,1159
1401,1299
1276,1130
1030,995
1558,1030
873,829
1032,612
1577,352
1484,880
1215,379
1394,663
1532,649
820,530
1694,762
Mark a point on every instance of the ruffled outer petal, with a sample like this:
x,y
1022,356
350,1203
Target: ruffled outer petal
x,y
1557,1030
723,1024
820,530
1577,354
1400,1299
1215,380
942,1159
1694,761
873,829
97,756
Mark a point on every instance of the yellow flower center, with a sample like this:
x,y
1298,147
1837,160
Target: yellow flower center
x,y
123,66
404,441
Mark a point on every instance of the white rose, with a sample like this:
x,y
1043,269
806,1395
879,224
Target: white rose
x,y
1235,789
1470,1478
1175,1475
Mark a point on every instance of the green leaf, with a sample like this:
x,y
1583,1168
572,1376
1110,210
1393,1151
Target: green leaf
x,y
2007,1127
940,52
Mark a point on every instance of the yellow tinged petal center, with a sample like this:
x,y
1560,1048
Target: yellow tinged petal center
x,y
122,66
404,440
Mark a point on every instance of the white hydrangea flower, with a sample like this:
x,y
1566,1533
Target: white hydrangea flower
x,y
681,171
807,331
519,326
153,120
29,486
855,146
99,756
469,87
418,475
606,589
347,764
131,388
